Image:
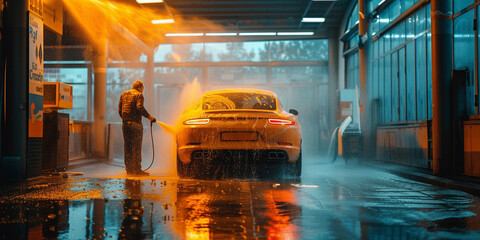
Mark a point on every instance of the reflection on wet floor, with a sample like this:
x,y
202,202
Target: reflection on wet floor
x,y
347,204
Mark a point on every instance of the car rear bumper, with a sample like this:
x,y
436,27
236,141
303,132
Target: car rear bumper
x,y
269,155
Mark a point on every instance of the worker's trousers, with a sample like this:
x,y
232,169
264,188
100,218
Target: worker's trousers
x,y
132,144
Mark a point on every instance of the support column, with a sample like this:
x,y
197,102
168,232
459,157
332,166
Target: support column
x,y
100,97
149,84
15,115
332,82
441,79
362,67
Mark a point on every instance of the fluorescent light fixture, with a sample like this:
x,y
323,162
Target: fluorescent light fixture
x,y
162,21
380,3
220,34
295,33
183,34
257,34
306,19
149,1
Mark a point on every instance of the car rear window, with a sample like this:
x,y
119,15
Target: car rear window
x,y
239,101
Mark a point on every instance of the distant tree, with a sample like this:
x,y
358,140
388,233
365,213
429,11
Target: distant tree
x,y
183,53
307,50
236,52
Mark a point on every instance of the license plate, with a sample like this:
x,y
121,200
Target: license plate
x,y
239,136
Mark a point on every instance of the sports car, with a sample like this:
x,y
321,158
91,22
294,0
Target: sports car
x,y
238,132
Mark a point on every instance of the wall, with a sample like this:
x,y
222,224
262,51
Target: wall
x,y
405,144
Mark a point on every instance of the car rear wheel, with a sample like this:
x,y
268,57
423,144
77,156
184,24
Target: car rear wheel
x,y
181,168
298,165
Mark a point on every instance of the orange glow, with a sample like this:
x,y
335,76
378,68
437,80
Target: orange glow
x,y
197,224
280,122
128,29
197,121
280,224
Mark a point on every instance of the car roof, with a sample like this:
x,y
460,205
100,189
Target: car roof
x,y
240,90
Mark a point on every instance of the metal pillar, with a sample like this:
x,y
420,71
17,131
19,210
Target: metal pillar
x,y
149,84
362,66
441,78
100,97
15,115
333,82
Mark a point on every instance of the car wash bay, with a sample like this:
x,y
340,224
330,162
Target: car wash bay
x,y
331,201
404,73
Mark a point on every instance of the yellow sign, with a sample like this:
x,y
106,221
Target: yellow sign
x,y
35,73
53,15
36,6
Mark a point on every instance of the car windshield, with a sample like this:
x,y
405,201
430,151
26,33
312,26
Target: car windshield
x,y
239,101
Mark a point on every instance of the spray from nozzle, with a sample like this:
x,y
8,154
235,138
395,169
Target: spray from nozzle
x,y
169,129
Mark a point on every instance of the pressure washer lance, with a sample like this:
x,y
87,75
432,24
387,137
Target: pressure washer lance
x,y
153,147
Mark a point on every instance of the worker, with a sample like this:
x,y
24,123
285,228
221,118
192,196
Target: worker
x,y
131,110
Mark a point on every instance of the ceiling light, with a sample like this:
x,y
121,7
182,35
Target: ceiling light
x,y
295,33
149,1
257,34
313,19
162,21
183,34
220,34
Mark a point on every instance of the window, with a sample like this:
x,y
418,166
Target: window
x,y
78,78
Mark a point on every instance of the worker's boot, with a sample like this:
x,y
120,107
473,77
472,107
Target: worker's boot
x,y
141,173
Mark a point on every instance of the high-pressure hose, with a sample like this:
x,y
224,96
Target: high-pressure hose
x,y
153,147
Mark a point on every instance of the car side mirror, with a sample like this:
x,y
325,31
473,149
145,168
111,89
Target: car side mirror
x,y
293,111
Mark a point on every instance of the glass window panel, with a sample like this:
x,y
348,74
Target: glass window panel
x,y
388,42
304,50
388,89
395,37
420,21
375,3
402,32
384,19
375,80
461,4
177,75
179,53
375,23
353,17
410,78
78,78
464,57
421,82
381,46
237,75
395,9
353,42
381,88
402,85
410,28
120,79
299,74
236,52
406,4
395,86
429,20
429,75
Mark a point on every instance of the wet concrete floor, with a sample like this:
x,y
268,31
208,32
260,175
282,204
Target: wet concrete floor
x,y
330,201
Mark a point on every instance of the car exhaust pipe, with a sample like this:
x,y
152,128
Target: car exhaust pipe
x,y
272,155
198,155
276,156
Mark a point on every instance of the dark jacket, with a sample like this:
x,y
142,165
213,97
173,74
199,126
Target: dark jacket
x,y
131,107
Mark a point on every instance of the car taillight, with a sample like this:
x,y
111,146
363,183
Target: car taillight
x,y
202,121
280,122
